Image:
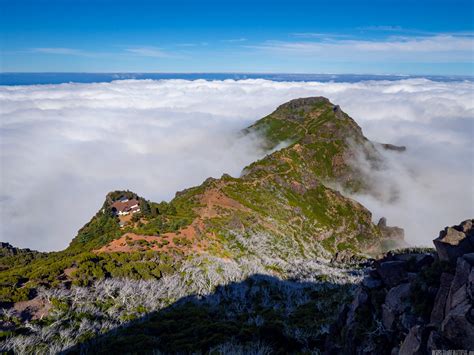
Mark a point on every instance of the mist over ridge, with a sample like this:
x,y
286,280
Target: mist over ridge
x,y
65,146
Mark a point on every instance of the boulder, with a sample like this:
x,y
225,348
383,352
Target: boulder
x,y
456,241
459,297
460,280
392,272
457,327
360,299
397,295
395,303
437,314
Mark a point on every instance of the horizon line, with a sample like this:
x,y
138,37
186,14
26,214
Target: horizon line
x,y
230,72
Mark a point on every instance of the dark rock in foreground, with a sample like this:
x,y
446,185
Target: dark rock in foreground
x,y
414,302
455,241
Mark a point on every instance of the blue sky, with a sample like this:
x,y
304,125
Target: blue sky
x,y
376,37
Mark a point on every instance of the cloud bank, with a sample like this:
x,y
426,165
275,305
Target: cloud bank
x,y
63,147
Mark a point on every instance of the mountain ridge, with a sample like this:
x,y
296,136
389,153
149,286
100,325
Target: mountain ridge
x,y
322,143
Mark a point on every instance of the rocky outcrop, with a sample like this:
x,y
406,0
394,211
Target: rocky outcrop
x,y
458,323
389,232
455,241
392,272
437,314
414,302
346,257
395,303
6,249
396,148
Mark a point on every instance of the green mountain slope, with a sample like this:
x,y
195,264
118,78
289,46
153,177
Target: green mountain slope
x,y
320,136
280,207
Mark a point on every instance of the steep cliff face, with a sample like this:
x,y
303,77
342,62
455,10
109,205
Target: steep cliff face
x,y
413,302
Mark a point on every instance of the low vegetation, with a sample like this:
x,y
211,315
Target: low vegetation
x,y
240,306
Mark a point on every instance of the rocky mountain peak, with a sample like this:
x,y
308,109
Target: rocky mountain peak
x,y
302,106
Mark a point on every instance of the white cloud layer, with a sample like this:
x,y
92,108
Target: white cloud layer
x,y
63,147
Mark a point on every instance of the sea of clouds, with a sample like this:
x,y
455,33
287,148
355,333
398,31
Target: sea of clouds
x,y
63,147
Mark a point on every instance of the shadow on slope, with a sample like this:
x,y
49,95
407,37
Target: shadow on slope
x,y
261,314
